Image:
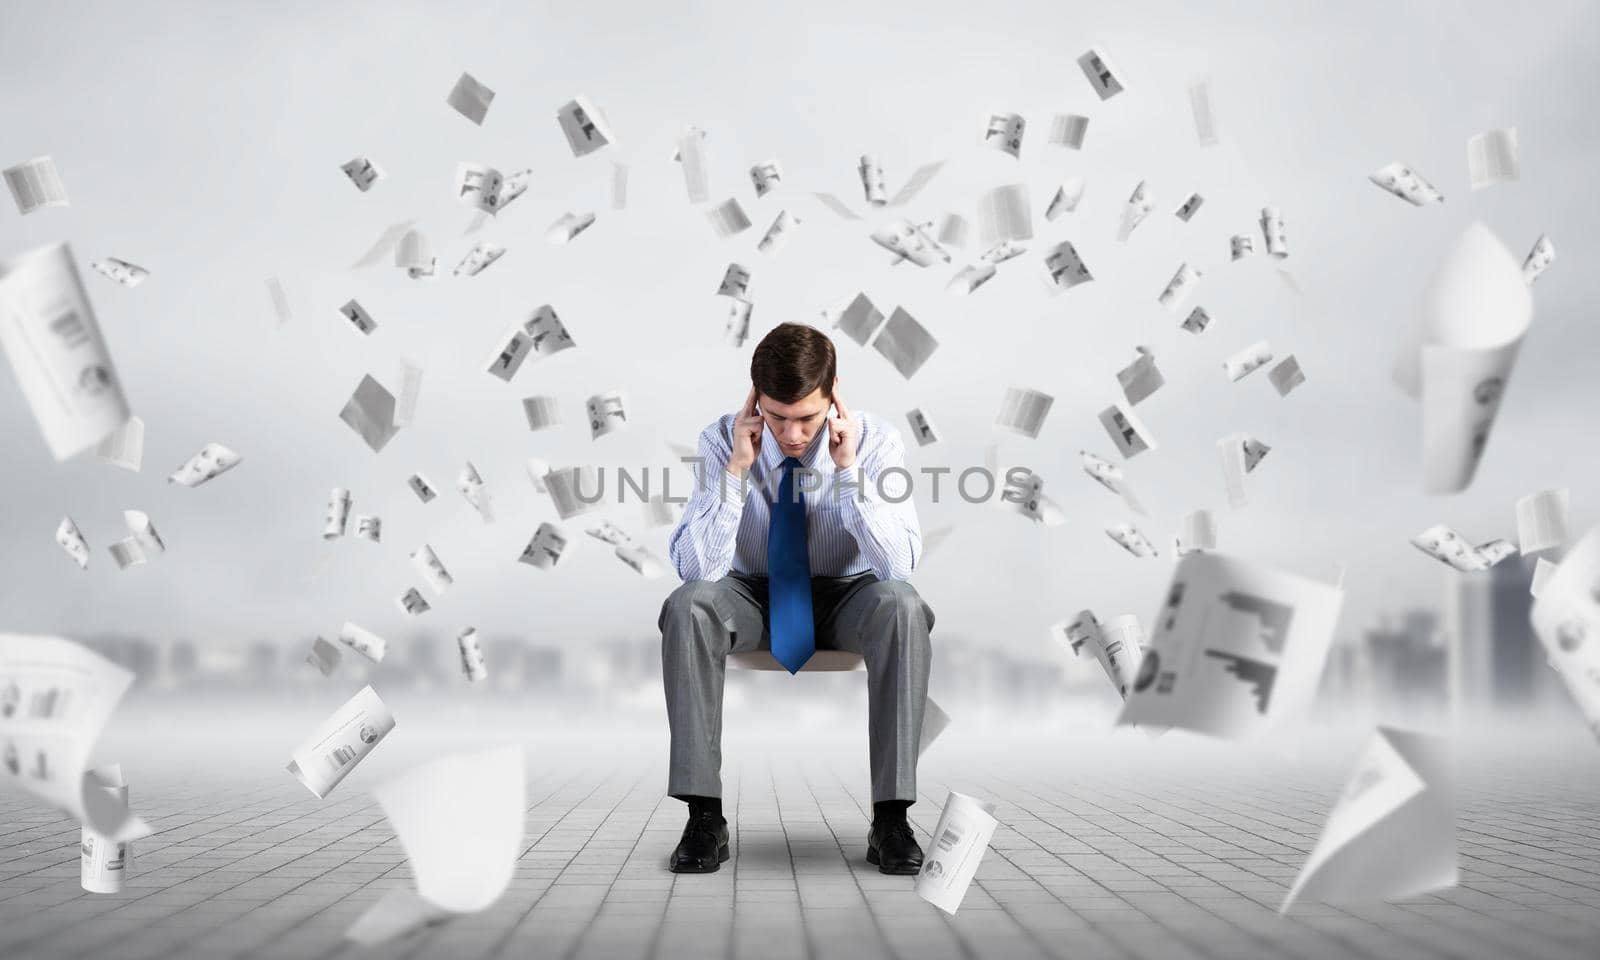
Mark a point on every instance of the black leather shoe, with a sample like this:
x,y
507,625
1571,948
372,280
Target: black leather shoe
x,y
894,848
704,845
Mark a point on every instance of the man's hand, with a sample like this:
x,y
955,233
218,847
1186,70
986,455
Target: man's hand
x,y
844,434
746,436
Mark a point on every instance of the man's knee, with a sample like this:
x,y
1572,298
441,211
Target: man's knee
x,y
691,597
898,602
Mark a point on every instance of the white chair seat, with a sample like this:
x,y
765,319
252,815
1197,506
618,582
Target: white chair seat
x,y
821,660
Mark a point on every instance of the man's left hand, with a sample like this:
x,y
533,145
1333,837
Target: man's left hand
x,y
844,434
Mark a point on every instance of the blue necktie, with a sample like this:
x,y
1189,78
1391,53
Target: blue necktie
x,y
789,576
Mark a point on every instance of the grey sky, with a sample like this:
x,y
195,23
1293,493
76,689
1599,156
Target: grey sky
x,y
203,141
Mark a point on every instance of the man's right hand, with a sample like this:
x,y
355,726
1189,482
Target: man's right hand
x,y
746,436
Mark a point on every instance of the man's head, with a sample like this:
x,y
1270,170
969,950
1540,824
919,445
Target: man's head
x,y
794,370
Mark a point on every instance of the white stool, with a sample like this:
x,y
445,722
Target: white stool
x,y
821,661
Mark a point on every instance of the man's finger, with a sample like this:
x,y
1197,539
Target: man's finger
x,y
750,403
839,403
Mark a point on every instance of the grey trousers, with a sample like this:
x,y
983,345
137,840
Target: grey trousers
x,y
885,621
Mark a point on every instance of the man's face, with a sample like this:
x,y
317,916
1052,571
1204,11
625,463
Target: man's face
x,y
794,424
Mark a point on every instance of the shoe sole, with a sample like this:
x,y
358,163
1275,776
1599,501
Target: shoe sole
x,y
872,858
722,857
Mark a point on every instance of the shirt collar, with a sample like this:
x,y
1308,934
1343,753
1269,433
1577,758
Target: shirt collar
x,y
812,459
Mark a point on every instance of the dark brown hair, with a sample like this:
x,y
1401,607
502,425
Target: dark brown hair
x,y
793,360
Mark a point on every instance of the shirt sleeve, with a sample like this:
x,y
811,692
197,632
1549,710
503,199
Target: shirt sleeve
x,y
887,533
702,544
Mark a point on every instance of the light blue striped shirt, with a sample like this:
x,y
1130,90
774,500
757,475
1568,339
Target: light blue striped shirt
x,y
846,534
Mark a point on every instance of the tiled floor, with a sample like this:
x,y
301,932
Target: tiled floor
x,y
1110,845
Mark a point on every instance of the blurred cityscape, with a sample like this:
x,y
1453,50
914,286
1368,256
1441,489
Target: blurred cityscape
x,y
1475,651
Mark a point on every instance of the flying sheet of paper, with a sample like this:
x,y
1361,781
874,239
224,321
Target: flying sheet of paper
x,y
359,319
470,98
339,503
1566,616
211,462
568,226
476,492
369,527
1286,375
1237,648
1247,361
1199,532
71,540
1539,258
362,172
567,488
324,656
934,722
478,259
1392,833
1240,246
1231,451
422,487
1205,122
1003,132
584,126
363,641
143,545
870,170
103,863
858,318
1197,320
56,697
384,245
905,343
1492,158
642,561
691,156
1110,476
1068,130
1128,537
727,218
1139,205
910,242
1022,410
735,281
1064,268
341,742
837,206
370,412
1273,232
470,650
1117,644
1102,77
432,569
1140,378
1066,200
1189,207
544,550
1407,184
966,825
280,301
413,603
459,820
1451,548
1126,430
922,428
124,447
766,177
1004,213
608,413
1458,354
779,234
121,271
954,230
49,332
1542,520
619,186
542,412
34,184
736,328
1179,287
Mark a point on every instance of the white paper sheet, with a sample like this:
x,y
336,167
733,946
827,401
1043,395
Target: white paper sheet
x,y
966,825
1566,616
341,742
1236,649
1392,833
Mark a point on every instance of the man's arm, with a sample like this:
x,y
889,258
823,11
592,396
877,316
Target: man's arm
x,y
702,544
888,533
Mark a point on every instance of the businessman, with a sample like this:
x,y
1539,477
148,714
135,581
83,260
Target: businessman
x,y
787,545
